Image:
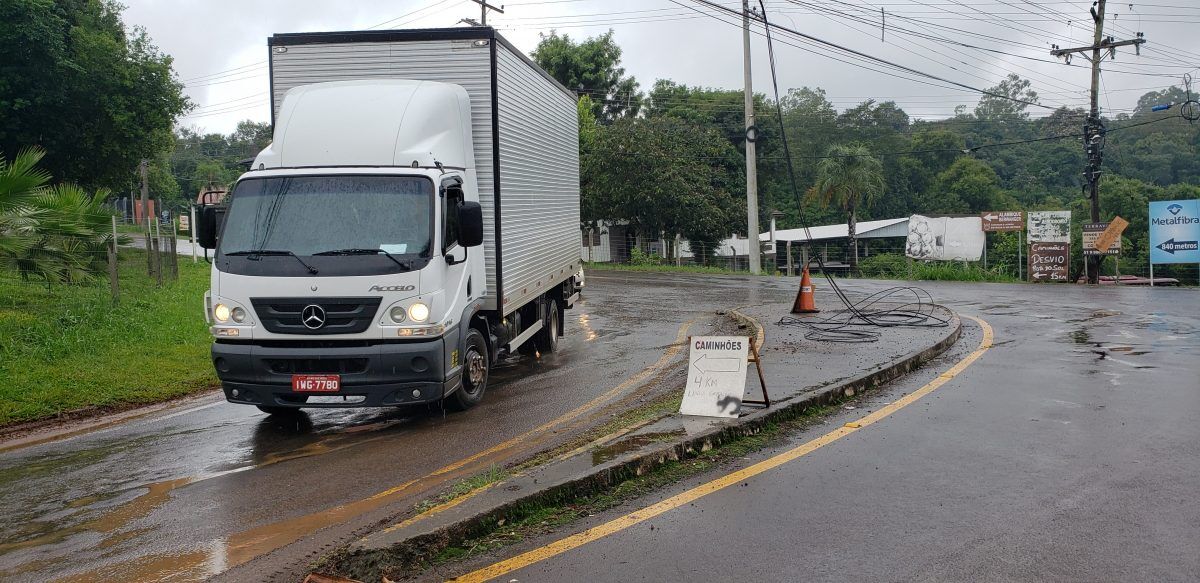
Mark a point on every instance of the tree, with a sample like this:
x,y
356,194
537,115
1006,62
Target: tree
x,y
96,97
1003,105
849,178
973,184
591,67
661,176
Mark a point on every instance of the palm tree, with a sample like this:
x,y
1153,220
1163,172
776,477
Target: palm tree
x,y
20,181
57,233
850,177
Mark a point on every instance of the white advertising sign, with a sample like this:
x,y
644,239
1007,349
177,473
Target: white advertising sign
x,y
1049,226
716,376
945,239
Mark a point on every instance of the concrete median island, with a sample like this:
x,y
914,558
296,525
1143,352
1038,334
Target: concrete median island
x,y
803,377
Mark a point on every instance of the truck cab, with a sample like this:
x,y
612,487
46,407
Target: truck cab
x,y
348,269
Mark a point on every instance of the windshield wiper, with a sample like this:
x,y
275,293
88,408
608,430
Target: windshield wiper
x,y
366,251
252,255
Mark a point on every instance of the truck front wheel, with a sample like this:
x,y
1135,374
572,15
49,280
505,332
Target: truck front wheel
x,y
474,374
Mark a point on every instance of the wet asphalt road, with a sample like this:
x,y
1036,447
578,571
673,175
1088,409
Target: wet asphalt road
x,y
219,489
1070,451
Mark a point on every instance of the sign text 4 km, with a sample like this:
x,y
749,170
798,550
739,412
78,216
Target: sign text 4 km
x,y
716,380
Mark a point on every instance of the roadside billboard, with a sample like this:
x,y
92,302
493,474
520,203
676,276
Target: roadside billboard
x,y
1175,231
944,239
1049,226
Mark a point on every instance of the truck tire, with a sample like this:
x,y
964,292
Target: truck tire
x,y
474,375
546,339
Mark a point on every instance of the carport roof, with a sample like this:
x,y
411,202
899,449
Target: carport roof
x,y
863,230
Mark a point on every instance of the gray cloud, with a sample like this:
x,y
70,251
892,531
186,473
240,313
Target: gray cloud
x,y
220,50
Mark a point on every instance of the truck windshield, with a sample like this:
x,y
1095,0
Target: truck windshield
x,y
333,217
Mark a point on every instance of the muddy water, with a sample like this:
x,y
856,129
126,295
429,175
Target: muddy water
x,y
186,494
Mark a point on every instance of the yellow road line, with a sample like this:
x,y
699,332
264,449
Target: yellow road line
x,y
618,524
663,360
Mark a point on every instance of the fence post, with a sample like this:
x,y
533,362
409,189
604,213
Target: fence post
x,y
158,272
113,280
192,232
149,245
174,252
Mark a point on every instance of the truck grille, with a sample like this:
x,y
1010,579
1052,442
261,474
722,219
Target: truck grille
x,y
341,315
317,365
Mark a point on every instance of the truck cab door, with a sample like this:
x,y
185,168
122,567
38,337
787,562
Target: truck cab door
x,y
454,254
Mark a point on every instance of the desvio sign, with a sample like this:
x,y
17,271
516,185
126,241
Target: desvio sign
x,y
1175,231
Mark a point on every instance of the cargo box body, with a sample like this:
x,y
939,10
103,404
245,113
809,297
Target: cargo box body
x,y
525,137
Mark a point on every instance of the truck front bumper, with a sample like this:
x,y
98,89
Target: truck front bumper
x,y
372,375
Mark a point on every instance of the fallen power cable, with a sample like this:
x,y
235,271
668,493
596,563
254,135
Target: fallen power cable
x,y
892,307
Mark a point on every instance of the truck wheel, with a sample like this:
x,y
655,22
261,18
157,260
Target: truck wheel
x,y
474,375
547,338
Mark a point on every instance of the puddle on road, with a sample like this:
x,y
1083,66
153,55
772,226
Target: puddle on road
x,y
607,453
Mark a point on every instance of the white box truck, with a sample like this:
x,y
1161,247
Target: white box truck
x,y
415,218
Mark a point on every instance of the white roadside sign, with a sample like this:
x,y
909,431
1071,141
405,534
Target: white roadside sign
x,y
716,376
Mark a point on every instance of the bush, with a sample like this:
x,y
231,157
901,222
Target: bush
x,y
639,257
888,265
896,266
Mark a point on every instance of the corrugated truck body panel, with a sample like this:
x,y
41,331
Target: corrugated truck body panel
x,y
534,214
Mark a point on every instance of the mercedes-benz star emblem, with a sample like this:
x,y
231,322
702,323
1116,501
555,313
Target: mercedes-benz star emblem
x,y
313,316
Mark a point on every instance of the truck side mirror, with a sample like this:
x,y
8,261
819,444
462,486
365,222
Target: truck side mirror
x,y
470,224
208,224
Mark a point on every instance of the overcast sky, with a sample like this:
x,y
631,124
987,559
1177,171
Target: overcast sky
x,y
220,46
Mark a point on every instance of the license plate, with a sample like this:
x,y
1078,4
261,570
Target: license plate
x,y
316,383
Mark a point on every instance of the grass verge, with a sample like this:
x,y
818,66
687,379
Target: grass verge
x,y
67,349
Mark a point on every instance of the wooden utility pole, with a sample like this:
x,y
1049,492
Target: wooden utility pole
x,y
751,135
483,9
1093,127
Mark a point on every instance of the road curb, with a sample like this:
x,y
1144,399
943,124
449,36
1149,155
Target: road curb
x,y
374,554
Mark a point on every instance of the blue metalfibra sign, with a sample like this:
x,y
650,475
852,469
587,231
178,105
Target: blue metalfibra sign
x,y
1175,231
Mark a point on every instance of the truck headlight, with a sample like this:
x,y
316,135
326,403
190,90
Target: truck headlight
x,y
419,312
397,314
221,313
238,315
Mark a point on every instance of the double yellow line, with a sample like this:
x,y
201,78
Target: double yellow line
x,y
616,525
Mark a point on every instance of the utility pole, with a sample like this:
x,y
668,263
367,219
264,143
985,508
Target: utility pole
x,y
483,9
751,135
1093,127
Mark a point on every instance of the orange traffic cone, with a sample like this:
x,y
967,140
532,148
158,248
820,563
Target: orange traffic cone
x,y
805,302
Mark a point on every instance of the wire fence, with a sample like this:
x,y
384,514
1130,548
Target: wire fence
x,y
108,263
1005,259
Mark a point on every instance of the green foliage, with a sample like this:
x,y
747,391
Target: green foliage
x,y
1002,105
51,233
591,67
96,97
639,257
663,176
849,178
896,266
68,348
200,160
